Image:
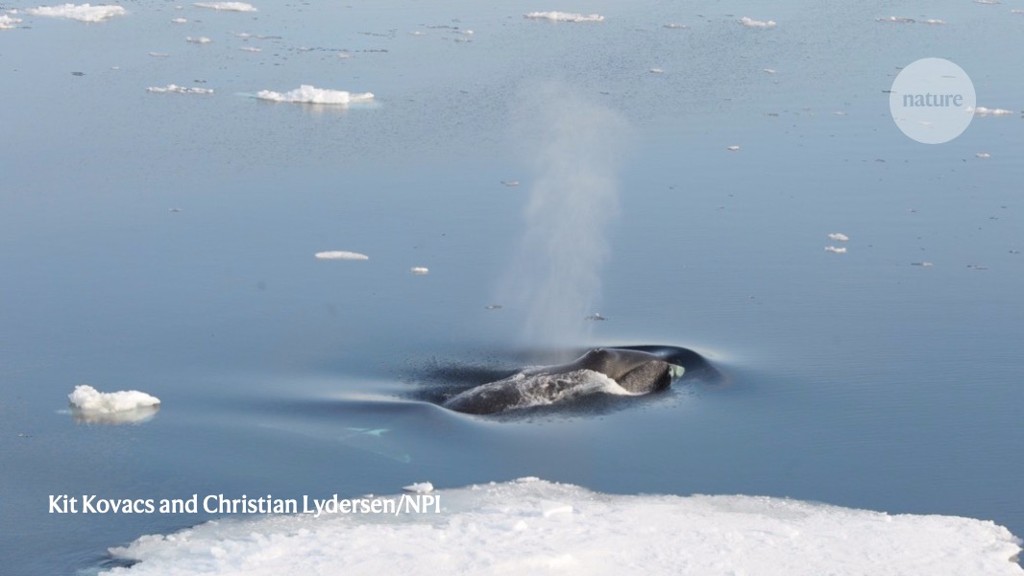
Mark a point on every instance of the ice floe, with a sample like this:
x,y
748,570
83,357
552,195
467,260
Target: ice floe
x,y
419,488
94,407
198,39
983,154
532,526
983,111
420,270
306,94
340,255
8,22
175,89
179,20
564,17
227,6
838,237
835,250
733,148
80,12
751,23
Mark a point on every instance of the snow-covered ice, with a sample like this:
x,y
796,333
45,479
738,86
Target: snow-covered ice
x,y
838,237
983,111
533,526
751,23
835,250
8,22
227,6
88,399
80,12
175,89
564,17
420,270
419,488
340,255
306,94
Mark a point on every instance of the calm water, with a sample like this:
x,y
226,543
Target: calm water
x,y
855,379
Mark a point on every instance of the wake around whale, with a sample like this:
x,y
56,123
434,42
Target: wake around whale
x,y
610,371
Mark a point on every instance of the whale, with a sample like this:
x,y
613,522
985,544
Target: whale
x,y
612,371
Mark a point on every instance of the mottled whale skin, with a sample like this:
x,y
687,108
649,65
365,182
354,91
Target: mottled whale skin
x,y
635,371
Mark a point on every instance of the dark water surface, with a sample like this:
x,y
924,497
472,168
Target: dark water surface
x,y
855,379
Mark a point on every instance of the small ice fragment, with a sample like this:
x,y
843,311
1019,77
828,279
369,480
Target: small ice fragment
x,y
983,111
81,12
657,71
88,399
751,23
596,316
179,20
924,264
419,488
175,89
227,6
768,70
987,2
674,26
251,49
306,94
838,237
564,17
834,250
733,148
8,22
983,155
159,54
198,39
340,255
493,307
419,270
896,20
934,22
510,183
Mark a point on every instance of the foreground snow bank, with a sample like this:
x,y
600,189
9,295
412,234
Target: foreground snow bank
x,y
535,527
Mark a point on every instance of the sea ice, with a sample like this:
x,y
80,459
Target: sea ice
x,y
88,399
198,39
419,488
8,22
838,237
80,12
340,255
983,111
306,94
733,148
227,6
175,89
834,250
751,23
540,527
564,17
419,270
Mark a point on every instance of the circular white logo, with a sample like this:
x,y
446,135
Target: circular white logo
x,y
932,100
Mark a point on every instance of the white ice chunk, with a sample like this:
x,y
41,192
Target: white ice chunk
x,y
179,20
983,111
733,148
8,22
80,12
175,89
340,255
227,6
419,488
838,237
545,528
983,155
420,270
198,39
564,17
306,94
834,250
751,23
88,399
